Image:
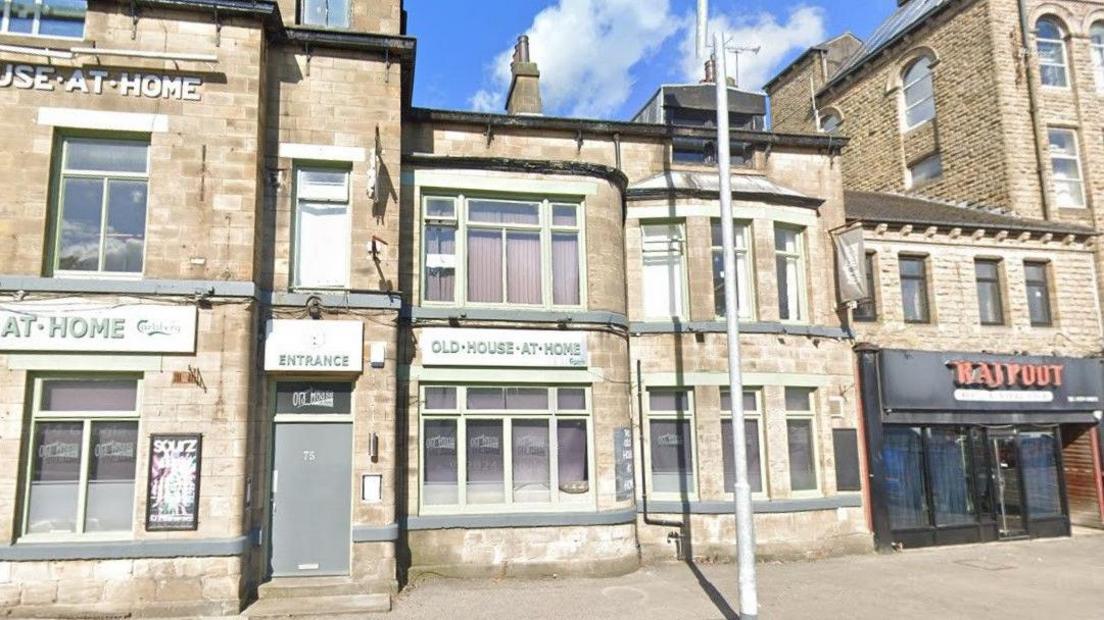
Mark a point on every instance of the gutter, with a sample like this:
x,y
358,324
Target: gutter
x,y
1033,108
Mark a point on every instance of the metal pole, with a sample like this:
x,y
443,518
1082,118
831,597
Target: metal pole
x,y
745,527
703,28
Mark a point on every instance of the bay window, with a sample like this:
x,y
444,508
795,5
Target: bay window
x,y
753,430
46,18
83,456
789,252
322,228
744,295
663,253
671,443
516,448
103,189
502,252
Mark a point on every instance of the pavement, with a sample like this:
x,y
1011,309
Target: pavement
x,y
1053,578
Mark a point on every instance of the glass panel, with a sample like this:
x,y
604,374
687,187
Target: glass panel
x,y
906,494
571,399
672,457
1052,53
565,215
1038,294
487,399
926,170
440,398
323,184
322,248
62,18
504,212
1069,194
913,267
571,457
106,155
111,466
440,476
486,463
90,395
754,466
802,455
751,402
523,274
786,240
21,20
787,289
530,399
1047,28
440,207
1039,467
326,13
440,263
565,269
986,270
668,401
55,477
1066,169
532,469
949,466
921,113
81,219
1096,33
124,245
799,399
485,266
663,286
1062,142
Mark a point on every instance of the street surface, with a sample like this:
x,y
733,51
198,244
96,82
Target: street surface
x,y
1062,578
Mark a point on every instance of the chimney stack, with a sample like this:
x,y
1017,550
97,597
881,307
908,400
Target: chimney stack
x,y
710,72
524,96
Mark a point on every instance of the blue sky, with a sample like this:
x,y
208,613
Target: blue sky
x,y
604,58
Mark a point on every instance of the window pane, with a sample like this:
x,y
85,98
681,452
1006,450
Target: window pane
x,y
90,395
789,289
948,454
989,305
326,13
926,170
754,466
110,503
785,240
504,212
799,399
1040,475
571,455
672,457
751,402
1038,294
106,155
21,20
484,266
668,401
565,269
802,455
912,267
440,398
485,462
523,260
55,477
1062,142
62,18
1066,169
565,215
571,399
440,263
323,184
986,270
124,245
440,207
527,398
1048,28
440,476
906,493
663,286
532,470
322,248
488,399
81,220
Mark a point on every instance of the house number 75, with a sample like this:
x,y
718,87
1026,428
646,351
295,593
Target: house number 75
x,y
308,455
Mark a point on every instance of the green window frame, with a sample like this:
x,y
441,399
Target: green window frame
x,y
753,414
789,253
668,425
801,428
745,273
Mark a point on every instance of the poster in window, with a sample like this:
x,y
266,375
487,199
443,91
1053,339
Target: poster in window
x,y
172,502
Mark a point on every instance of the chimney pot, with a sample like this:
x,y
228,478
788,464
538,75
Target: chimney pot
x,y
521,50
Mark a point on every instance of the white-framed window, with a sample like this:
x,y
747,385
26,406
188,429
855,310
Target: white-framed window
x,y
801,440
925,170
82,457
671,443
103,191
745,287
1050,43
755,439
44,18
789,253
1065,161
323,229
1096,45
497,252
506,448
325,13
663,252
918,90
830,124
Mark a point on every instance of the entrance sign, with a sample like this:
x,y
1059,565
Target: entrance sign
x,y
79,325
97,81
173,498
314,346
314,398
505,348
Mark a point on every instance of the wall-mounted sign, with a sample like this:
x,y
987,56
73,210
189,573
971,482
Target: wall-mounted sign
x,y
623,463
80,325
976,382
97,81
314,398
314,346
500,347
172,501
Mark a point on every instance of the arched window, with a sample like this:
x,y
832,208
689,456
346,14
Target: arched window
x,y
830,123
919,92
1050,43
1096,35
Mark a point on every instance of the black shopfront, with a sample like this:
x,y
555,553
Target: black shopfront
x,y
969,447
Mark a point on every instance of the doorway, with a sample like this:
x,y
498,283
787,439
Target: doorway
x,y
1008,484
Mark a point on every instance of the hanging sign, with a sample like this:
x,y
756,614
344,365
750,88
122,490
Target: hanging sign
x,y
851,265
98,81
501,347
80,325
623,463
172,500
314,346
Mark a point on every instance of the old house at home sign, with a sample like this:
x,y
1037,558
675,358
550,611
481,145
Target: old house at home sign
x,y
172,502
504,348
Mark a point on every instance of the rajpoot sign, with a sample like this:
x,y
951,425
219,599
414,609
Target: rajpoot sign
x,y
78,325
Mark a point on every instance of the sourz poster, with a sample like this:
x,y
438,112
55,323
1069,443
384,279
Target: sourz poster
x,y
173,499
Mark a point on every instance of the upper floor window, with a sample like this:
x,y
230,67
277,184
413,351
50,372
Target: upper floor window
x,y
502,252
925,170
789,253
322,228
990,304
46,18
325,13
919,93
1050,43
830,123
1037,281
1065,162
914,289
102,194
867,310
663,253
744,295
1096,34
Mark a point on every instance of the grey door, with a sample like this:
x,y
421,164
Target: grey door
x,y
311,499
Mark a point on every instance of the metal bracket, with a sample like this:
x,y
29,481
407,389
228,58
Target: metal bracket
x,y
134,20
489,134
218,29
307,49
579,140
387,66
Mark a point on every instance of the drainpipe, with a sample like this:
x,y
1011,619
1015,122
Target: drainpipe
x,y
1033,107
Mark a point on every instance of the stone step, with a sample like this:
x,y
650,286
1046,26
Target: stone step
x,y
302,587
320,607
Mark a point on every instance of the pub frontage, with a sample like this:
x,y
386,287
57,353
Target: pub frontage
x,y
972,447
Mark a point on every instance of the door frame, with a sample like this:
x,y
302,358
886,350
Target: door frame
x,y
272,421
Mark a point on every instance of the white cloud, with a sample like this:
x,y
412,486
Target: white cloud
x,y
803,28
586,50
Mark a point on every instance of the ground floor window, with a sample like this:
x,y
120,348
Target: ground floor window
x,y
82,456
753,426
671,443
522,447
801,439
